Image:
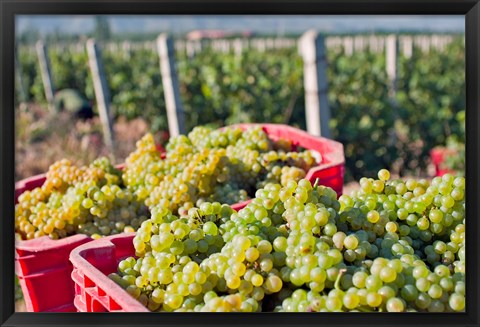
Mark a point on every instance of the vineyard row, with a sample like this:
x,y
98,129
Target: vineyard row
x,y
348,44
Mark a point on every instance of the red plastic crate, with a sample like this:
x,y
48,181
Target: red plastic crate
x,y
330,171
92,263
42,267
42,264
44,272
438,158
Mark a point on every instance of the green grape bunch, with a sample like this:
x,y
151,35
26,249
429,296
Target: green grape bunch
x,y
393,246
90,200
225,165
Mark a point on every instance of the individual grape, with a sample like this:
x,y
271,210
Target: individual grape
x,y
409,293
384,175
423,301
374,299
388,274
395,305
351,301
457,302
257,280
351,242
273,284
373,216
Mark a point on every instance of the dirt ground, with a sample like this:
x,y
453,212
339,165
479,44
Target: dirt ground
x,y
41,139
20,306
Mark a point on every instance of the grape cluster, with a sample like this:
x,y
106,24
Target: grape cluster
x,y
226,165
170,250
91,200
393,246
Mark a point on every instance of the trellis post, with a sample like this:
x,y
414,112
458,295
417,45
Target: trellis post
x,y
45,70
175,113
312,50
102,93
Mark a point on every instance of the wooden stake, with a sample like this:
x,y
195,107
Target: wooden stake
x,y
391,60
46,74
408,46
175,113
102,93
312,49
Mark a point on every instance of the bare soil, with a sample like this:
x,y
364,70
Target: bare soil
x,y
41,139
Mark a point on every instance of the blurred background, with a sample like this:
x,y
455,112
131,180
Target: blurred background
x,y
388,114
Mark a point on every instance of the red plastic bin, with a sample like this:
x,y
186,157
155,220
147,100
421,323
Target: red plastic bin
x,y
330,171
92,263
438,156
44,272
42,264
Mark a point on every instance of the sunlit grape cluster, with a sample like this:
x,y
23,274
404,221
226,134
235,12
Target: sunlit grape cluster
x,y
170,249
393,246
226,165
90,200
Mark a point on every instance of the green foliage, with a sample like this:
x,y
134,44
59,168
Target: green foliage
x,y
432,99
455,161
18,290
225,88
455,147
136,89
362,116
32,81
70,71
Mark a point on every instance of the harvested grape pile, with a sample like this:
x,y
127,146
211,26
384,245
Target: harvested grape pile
x,y
394,246
91,200
226,165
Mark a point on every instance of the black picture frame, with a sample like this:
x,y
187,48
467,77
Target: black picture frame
x,y
10,8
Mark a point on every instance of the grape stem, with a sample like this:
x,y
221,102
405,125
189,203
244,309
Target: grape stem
x,y
337,281
365,309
